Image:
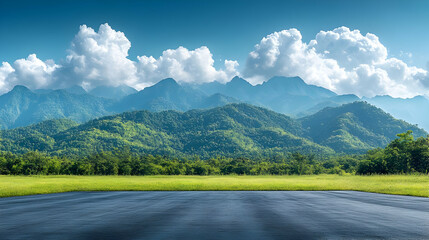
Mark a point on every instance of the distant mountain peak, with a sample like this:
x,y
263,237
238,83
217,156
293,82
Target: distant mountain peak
x,y
167,82
379,97
165,85
420,97
20,88
238,81
237,78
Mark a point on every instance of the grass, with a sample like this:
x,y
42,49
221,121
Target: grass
x,y
413,185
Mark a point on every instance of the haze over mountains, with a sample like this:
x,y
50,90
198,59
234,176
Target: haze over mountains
x,y
288,95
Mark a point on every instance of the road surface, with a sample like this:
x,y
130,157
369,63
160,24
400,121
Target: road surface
x,y
214,215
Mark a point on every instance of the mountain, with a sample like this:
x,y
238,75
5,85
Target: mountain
x,y
165,95
237,88
294,86
21,107
355,127
34,137
231,130
288,95
169,95
414,110
112,92
334,101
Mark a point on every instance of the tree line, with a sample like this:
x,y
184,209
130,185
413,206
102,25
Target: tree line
x,y
403,155
125,163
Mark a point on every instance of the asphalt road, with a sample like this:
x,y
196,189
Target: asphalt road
x,y
214,215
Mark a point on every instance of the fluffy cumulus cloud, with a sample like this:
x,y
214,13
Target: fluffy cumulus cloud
x,y
31,72
342,60
99,58
192,66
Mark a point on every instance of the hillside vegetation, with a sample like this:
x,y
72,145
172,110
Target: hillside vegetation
x,y
355,127
235,130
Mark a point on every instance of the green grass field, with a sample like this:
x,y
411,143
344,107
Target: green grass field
x,y
414,185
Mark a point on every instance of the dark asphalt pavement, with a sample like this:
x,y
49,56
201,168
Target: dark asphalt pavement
x,y
214,215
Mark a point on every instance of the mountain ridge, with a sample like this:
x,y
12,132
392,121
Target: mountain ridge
x,y
237,129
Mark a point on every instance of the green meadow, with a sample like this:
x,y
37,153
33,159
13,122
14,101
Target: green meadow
x,y
412,185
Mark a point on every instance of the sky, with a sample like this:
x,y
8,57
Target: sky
x,y
50,44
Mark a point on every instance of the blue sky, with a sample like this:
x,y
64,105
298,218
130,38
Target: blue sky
x,y
230,30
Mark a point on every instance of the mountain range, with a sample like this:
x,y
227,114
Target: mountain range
x,y
324,121
22,106
231,130
291,96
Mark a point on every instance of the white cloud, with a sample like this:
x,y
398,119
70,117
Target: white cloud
x,y
99,58
192,66
231,69
342,60
349,48
31,72
5,70
284,53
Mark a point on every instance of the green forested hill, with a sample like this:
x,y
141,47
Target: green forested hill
x,y
35,137
231,130
355,127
